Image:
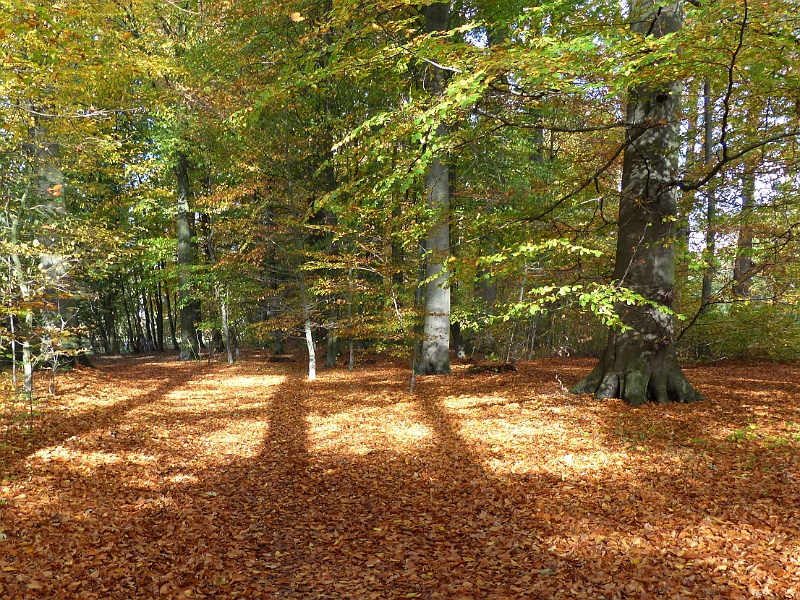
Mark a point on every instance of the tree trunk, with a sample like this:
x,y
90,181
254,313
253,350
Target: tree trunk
x,y
226,329
332,350
171,318
639,362
435,354
132,343
141,343
110,320
148,320
743,267
27,354
189,345
711,200
159,317
278,347
310,344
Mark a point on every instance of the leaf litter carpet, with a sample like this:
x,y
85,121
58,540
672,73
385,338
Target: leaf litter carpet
x,y
151,478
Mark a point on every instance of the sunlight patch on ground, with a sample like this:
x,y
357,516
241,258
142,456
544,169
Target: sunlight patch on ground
x,y
360,431
468,403
219,419
62,454
528,437
182,478
241,438
80,457
224,392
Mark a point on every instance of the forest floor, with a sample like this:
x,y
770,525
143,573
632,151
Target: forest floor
x,y
152,478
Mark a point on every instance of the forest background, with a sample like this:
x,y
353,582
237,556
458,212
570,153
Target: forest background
x,y
187,174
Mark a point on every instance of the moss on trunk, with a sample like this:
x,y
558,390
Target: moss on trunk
x,y
637,374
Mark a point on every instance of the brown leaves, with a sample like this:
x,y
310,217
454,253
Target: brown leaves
x,y
166,479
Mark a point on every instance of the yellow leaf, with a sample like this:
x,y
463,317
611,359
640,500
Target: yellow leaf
x,y
297,17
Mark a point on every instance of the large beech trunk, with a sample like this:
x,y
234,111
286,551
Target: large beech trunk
x,y
189,343
639,363
435,355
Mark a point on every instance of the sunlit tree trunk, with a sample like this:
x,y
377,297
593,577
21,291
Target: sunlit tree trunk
x,y
189,347
639,363
435,354
307,327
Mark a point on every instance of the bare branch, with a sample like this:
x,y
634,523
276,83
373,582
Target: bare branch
x,y
586,183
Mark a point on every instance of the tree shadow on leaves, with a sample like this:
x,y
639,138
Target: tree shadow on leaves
x,y
409,504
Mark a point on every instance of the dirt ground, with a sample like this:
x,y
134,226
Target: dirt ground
x,y
152,478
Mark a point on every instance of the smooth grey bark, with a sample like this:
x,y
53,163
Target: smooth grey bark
x,y
307,327
278,347
189,345
711,199
639,363
24,288
435,353
743,266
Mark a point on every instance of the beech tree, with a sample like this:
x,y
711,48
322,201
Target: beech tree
x,y
639,362
435,354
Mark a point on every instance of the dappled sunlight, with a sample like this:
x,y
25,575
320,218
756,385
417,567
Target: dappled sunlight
x,y
67,455
468,403
208,392
220,481
394,427
239,439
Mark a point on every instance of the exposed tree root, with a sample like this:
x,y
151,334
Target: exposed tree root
x,y
629,371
